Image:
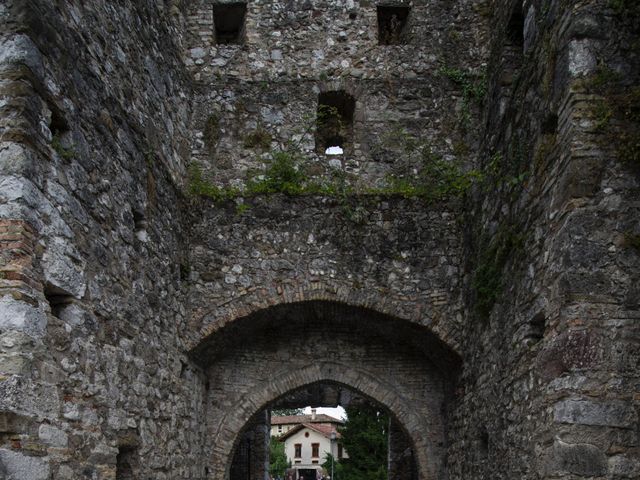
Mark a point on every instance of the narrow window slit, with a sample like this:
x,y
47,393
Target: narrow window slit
x,y
140,226
57,125
550,124
126,462
536,328
392,23
515,28
334,124
229,19
57,299
483,443
513,50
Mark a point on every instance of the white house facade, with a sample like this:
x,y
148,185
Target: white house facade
x,y
307,446
282,424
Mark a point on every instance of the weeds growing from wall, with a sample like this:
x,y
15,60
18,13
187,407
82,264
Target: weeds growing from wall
x,y
473,86
282,175
435,179
629,8
493,255
632,240
504,174
616,114
66,153
259,138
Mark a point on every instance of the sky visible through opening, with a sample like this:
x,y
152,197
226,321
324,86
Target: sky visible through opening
x,y
337,150
337,412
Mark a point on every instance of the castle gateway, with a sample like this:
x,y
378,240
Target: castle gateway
x,y
209,209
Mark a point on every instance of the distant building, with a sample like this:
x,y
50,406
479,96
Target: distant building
x,y
307,441
282,424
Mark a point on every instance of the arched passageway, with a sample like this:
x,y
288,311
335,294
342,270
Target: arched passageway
x,y
256,360
385,442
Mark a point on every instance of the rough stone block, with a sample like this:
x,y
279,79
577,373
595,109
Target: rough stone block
x,y
16,466
20,49
624,466
15,364
62,270
530,28
570,350
53,436
581,179
21,316
16,342
579,459
587,412
14,158
13,423
25,397
103,455
582,60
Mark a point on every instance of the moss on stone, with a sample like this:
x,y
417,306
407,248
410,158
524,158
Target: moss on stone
x,y
67,153
629,8
212,132
259,138
493,256
617,113
632,240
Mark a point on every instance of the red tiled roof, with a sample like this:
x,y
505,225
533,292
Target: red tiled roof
x,y
323,429
297,419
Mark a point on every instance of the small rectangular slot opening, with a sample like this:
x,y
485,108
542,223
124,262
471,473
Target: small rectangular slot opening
x,y
392,23
229,23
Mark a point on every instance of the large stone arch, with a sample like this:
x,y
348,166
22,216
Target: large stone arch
x,y
254,360
403,261
338,373
418,310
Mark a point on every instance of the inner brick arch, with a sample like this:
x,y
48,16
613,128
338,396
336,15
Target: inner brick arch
x,y
419,311
343,375
253,361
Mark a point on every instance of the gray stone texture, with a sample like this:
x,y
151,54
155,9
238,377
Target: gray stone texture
x,y
138,319
16,466
579,459
585,412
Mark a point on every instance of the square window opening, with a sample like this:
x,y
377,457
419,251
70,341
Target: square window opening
x,y
57,298
229,19
392,24
334,123
515,27
126,463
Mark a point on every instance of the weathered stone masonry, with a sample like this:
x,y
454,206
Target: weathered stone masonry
x,y
143,331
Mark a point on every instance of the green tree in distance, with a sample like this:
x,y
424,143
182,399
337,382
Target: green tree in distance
x,y
364,436
283,412
337,466
278,462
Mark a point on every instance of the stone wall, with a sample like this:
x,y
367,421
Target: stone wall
x,y
388,255
135,334
261,358
261,95
93,137
548,391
